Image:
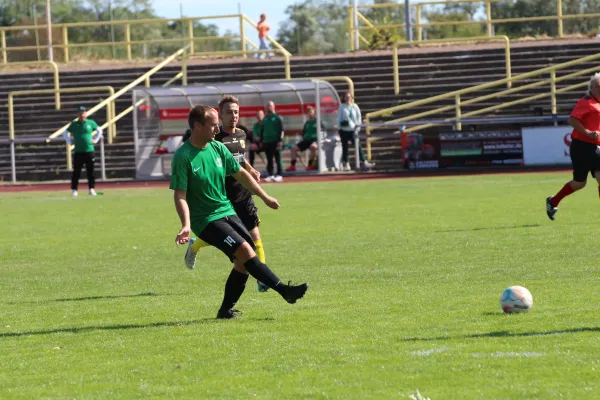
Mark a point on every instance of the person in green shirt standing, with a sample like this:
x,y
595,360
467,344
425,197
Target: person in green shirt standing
x,y
272,140
199,168
254,137
309,141
82,135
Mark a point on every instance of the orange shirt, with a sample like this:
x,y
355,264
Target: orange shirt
x,y
587,111
263,28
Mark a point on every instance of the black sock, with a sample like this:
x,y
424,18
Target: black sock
x,y
262,273
293,162
234,287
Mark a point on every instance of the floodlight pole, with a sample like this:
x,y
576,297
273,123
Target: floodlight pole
x,y
49,28
355,19
409,37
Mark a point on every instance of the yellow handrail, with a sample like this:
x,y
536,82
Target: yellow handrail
x,y
553,80
11,111
501,38
273,41
127,42
54,67
125,89
488,21
391,110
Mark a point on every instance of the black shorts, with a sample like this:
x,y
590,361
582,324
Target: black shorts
x,y
227,234
304,144
247,212
585,158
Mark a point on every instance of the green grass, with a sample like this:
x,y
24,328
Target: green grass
x,y
406,275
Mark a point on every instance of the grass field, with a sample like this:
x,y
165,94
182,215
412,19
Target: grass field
x,y
405,275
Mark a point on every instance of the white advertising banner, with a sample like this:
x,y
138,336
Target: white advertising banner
x,y
546,145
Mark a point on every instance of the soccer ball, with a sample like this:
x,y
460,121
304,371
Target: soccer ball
x,y
516,299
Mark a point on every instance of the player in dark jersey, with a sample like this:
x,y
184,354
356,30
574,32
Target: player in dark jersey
x,y
236,141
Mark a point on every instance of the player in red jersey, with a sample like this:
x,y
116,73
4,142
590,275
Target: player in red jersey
x,y
585,150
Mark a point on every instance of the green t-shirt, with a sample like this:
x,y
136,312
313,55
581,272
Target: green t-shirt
x,y
82,132
201,173
272,127
309,132
256,130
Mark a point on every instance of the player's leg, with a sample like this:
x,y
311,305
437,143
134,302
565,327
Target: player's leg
x,y
77,166
248,213
313,157
193,247
279,164
295,151
270,154
89,170
231,237
582,159
345,154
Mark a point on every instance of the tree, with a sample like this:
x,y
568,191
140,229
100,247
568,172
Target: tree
x,y
314,27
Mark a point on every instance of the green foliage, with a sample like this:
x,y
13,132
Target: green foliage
x,y
24,12
315,27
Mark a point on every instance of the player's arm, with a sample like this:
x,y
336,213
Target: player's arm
x,y
246,180
183,210
96,138
179,185
578,126
66,134
255,173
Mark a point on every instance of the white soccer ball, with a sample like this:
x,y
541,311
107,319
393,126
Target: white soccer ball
x,y
516,299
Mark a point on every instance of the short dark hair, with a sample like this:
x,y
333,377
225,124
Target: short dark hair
x,y
198,114
228,99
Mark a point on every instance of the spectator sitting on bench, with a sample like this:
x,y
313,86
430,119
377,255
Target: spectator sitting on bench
x,y
309,141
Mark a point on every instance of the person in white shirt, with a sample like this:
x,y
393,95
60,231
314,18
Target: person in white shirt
x,y
349,121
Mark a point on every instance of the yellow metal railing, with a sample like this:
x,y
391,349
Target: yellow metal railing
x,y
189,39
458,103
54,67
488,21
145,78
501,38
110,107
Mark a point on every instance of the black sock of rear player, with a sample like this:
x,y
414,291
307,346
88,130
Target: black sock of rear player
x,y
234,287
264,274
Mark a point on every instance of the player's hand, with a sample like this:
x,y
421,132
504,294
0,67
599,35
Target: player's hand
x,y
255,174
271,202
595,135
279,145
183,236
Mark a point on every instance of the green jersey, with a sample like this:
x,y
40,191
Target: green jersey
x,y
201,173
82,132
272,129
309,132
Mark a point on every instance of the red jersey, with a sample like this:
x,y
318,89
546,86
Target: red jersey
x,y
587,111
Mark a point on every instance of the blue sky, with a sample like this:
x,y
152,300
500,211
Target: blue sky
x,y
275,10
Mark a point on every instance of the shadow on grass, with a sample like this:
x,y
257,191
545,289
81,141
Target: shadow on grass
x,y
110,327
493,228
86,298
500,334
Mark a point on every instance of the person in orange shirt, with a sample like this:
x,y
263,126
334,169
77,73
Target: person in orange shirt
x,y
263,29
585,150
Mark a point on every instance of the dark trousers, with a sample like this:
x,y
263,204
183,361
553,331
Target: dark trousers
x,y
271,151
80,160
252,156
348,136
